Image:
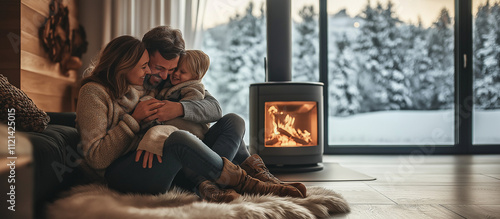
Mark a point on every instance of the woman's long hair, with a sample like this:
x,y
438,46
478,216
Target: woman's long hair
x,y
118,57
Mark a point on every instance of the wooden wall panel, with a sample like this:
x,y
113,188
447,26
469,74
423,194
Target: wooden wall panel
x,y
42,65
42,79
37,83
31,20
32,44
50,103
41,6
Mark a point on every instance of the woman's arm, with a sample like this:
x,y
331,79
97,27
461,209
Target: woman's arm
x,y
102,141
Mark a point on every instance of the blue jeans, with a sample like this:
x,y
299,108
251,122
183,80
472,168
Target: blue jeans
x,y
181,150
226,139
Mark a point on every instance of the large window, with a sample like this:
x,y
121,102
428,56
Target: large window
x,y
391,68
235,39
391,74
486,71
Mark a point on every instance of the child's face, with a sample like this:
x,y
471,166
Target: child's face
x,y
182,74
136,75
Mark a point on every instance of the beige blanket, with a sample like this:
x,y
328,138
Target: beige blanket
x,y
97,201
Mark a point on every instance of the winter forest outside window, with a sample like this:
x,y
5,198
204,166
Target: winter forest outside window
x,y
486,71
390,65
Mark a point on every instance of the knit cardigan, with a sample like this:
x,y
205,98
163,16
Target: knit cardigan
x,y
106,128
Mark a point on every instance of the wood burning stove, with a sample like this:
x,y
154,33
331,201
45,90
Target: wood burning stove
x,y
286,118
286,124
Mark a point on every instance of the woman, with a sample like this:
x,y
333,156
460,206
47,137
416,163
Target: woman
x,y
108,122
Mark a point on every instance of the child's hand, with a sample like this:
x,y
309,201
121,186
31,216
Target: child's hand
x,y
146,108
148,158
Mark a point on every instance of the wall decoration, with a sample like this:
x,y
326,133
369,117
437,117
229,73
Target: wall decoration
x,y
62,44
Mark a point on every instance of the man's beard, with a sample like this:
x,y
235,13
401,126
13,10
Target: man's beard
x,y
152,81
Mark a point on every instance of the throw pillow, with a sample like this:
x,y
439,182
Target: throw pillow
x,y
21,109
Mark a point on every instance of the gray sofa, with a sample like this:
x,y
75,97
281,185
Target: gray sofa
x,y
52,169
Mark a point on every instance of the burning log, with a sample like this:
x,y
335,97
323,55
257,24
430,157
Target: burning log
x,y
284,132
273,141
300,141
296,139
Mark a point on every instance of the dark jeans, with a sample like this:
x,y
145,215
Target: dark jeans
x,y
199,160
225,138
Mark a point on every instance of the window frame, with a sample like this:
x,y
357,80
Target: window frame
x,y
463,86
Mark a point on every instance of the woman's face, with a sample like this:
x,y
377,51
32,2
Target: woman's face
x,y
136,75
182,74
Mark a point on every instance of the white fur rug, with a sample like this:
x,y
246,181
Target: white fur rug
x,y
97,201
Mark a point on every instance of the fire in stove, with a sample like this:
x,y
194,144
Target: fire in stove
x,y
291,124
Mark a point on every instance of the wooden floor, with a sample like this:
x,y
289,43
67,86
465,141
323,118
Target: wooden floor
x,y
464,186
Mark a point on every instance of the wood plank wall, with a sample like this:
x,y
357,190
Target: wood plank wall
x,y
40,78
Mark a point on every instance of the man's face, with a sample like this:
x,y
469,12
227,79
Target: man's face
x,y
161,66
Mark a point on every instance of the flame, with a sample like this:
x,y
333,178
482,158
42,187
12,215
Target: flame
x,y
284,132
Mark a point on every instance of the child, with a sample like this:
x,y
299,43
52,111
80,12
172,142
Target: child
x,y
185,84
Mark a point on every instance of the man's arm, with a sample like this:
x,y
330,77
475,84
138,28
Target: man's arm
x,y
202,111
199,111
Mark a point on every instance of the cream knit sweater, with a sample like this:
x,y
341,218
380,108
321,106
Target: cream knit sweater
x,y
107,129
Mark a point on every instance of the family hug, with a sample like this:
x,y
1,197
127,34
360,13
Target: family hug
x,y
144,119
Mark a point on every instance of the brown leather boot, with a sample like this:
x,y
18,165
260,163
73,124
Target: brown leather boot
x,y
212,193
232,175
255,167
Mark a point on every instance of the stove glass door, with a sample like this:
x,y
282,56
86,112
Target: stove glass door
x,y
291,123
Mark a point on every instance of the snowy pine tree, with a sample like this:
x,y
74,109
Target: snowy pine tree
x,y
367,47
487,57
418,65
383,83
344,95
215,72
440,50
305,49
243,60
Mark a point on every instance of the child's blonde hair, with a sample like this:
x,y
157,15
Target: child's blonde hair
x,y
196,61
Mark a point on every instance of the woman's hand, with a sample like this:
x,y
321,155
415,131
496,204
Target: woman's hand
x,y
148,158
145,109
169,110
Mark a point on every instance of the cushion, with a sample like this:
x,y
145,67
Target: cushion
x,y
21,109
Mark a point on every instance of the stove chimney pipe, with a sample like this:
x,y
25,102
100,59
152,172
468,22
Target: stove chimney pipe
x,y
279,40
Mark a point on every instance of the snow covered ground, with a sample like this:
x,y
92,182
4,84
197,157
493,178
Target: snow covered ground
x,y
410,127
486,127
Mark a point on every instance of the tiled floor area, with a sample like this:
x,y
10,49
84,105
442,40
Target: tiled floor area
x,y
441,186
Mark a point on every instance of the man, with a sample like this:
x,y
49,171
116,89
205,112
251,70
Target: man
x,y
165,45
225,137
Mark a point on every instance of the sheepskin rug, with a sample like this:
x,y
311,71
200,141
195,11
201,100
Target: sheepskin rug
x,y
97,201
